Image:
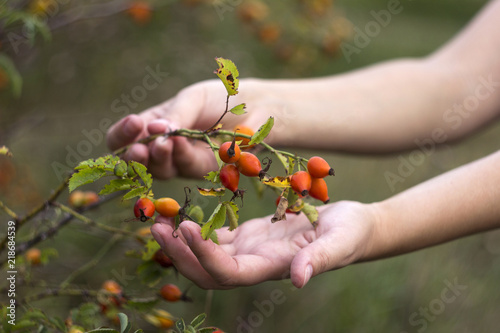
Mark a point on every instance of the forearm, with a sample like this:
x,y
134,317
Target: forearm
x,y
461,202
389,106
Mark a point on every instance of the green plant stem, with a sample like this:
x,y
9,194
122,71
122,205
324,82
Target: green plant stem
x,y
59,292
9,211
88,221
94,261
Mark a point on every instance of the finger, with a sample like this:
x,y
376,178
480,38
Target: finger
x,y
160,158
192,160
323,254
137,152
180,254
125,131
159,126
227,271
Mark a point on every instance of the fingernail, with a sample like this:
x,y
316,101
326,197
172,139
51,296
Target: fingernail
x,y
158,237
187,235
307,275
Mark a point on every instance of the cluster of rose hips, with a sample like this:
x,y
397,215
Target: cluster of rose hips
x,y
311,182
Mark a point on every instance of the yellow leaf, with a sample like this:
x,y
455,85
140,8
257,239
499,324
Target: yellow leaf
x,y
281,182
5,151
228,73
212,192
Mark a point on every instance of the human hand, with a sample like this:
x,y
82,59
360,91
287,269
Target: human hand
x,y
198,106
259,250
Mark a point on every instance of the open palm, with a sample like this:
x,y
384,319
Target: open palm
x,y
259,250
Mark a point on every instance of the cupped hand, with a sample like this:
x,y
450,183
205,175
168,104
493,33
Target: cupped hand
x,y
259,250
198,106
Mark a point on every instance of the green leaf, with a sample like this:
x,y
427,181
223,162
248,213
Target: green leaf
x,y
198,320
58,323
15,78
150,273
214,238
85,315
142,172
150,249
228,73
116,185
263,132
142,305
283,160
311,213
216,221
179,324
136,192
238,109
121,169
196,213
213,176
190,329
232,214
85,176
124,324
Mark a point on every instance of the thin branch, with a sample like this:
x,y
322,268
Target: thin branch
x,y
91,222
223,114
59,292
94,261
9,211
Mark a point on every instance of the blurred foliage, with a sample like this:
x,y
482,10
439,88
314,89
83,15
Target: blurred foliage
x,y
71,81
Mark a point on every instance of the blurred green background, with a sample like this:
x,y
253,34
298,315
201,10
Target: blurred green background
x,y
71,82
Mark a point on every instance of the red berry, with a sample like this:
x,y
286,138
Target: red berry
x,y
112,287
167,207
33,256
249,165
301,182
244,130
144,209
229,152
171,293
319,190
319,168
161,258
230,177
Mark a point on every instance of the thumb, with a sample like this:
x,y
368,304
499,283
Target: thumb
x,y
323,254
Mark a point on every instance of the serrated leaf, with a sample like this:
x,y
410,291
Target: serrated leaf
x,y
212,176
5,151
311,213
263,132
228,73
198,320
121,169
150,249
283,160
281,182
196,213
212,192
124,324
179,324
214,238
216,221
232,214
85,176
238,109
142,172
136,192
116,185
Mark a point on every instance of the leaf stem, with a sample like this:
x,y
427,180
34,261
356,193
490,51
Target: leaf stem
x,y
220,119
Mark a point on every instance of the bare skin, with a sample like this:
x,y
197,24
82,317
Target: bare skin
x,y
382,108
